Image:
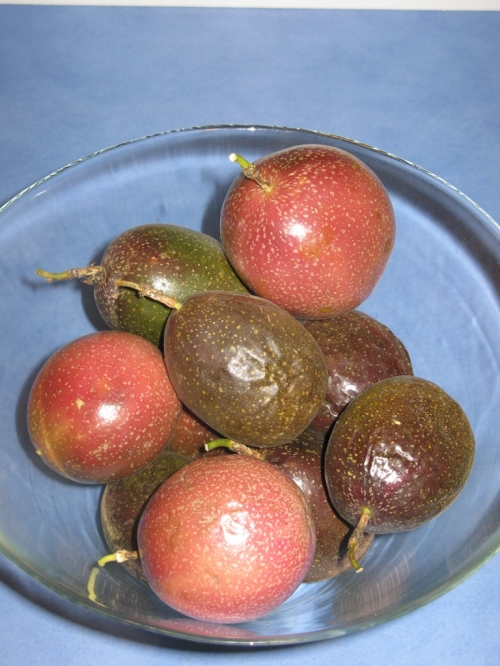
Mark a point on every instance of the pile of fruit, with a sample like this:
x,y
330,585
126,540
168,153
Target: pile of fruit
x,y
252,428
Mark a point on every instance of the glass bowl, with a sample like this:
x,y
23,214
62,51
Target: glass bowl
x,y
440,295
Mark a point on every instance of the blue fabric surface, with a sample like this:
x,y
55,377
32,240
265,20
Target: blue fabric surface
x,y
422,85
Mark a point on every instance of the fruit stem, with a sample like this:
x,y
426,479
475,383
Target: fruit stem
x,y
357,537
233,446
91,584
118,556
251,171
91,274
149,292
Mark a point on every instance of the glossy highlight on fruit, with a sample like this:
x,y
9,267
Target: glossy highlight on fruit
x,y
399,454
226,539
359,351
309,227
245,367
102,407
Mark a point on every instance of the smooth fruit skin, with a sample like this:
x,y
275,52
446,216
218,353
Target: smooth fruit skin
x,y
123,502
402,449
190,436
359,351
226,539
302,461
174,260
245,367
102,407
318,242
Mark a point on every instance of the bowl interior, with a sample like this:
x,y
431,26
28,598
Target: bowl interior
x,y
440,295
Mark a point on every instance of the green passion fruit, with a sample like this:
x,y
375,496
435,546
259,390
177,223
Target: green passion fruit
x,y
171,259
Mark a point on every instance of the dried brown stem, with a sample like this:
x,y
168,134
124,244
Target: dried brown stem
x,y
90,274
357,538
143,290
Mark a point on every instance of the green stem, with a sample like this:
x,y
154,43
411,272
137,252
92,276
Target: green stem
x,y
91,584
233,446
118,556
357,537
251,171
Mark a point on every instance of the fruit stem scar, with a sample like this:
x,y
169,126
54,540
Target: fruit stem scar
x,y
251,171
155,294
233,446
91,274
357,537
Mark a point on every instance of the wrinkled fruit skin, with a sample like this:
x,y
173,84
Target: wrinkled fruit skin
x,y
226,539
172,259
123,502
301,460
245,367
359,351
319,241
403,448
102,407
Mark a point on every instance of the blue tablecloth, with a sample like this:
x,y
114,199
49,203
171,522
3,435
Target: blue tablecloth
x,y
422,85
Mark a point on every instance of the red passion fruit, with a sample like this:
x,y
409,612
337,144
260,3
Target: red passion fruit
x,y
102,407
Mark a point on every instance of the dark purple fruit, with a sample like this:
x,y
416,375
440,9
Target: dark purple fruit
x,y
302,460
398,455
123,501
171,259
359,351
245,367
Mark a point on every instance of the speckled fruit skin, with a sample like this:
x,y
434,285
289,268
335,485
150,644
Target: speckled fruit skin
x,y
123,502
190,436
403,448
226,539
318,242
302,461
359,351
102,407
172,259
245,367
